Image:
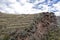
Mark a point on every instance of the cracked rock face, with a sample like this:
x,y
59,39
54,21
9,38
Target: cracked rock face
x,y
41,29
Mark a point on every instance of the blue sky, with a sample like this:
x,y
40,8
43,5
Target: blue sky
x,y
29,6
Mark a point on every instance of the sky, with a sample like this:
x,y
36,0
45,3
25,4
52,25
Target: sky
x,y
29,6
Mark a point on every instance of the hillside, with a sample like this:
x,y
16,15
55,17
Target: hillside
x,y
58,19
9,23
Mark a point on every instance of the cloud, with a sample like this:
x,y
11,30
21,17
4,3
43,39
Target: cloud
x,y
57,7
29,6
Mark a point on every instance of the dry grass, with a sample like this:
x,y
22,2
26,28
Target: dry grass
x,y
10,22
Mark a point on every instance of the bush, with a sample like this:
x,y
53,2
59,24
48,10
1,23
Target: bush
x,y
6,37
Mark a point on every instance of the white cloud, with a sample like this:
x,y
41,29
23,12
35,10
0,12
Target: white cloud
x,y
57,13
27,8
12,1
57,6
39,1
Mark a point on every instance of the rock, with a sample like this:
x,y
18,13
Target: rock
x,y
43,28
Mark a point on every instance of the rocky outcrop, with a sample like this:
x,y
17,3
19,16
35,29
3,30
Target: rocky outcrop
x,y
44,27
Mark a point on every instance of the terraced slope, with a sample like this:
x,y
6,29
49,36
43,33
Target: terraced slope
x,y
10,22
17,21
28,27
